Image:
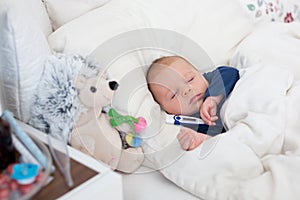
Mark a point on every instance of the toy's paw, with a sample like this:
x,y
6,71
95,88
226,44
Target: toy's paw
x,y
84,143
131,159
88,144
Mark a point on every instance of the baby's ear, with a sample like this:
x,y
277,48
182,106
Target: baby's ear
x,y
79,81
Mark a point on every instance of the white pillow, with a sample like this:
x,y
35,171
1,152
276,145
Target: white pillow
x,y
217,26
23,48
60,12
36,9
84,34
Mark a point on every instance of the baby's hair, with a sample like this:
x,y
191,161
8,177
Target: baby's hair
x,y
164,61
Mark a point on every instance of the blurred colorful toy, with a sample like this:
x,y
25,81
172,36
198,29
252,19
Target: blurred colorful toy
x,y
25,173
128,126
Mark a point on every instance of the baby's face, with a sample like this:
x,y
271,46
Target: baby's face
x,y
178,88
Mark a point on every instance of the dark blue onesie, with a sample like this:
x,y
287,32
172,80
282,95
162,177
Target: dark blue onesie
x,y
221,81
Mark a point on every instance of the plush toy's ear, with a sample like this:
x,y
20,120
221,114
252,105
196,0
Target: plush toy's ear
x,y
79,81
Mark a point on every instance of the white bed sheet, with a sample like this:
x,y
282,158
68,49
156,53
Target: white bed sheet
x,y
152,185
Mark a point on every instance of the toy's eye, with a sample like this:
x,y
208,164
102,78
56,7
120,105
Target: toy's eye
x,y
93,89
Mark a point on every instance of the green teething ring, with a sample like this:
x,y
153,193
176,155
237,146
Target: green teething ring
x,y
117,119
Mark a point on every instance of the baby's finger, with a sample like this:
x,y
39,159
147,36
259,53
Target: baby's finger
x,y
206,113
180,135
197,140
214,118
204,117
185,142
183,131
213,111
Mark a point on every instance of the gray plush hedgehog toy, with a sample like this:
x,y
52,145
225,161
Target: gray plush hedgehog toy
x,y
56,105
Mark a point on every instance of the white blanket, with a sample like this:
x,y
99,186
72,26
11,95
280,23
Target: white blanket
x,y
258,158
277,43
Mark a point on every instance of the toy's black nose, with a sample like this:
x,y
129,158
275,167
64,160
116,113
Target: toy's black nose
x,y
113,85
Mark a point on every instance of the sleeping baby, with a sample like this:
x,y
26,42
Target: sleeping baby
x,y
181,89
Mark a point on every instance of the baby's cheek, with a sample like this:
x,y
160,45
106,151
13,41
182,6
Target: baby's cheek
x,y
192,108
200,103
185,108
178,106
173,107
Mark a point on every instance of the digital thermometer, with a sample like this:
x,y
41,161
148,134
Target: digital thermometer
x,y
180,119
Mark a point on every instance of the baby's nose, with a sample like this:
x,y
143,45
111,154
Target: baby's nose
x,y
186,91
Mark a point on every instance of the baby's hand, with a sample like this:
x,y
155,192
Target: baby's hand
x,y
190,139
208,110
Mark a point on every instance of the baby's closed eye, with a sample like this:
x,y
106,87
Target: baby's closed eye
x,y
173,95
190,79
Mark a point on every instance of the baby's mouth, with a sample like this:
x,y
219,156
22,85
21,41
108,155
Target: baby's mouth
x,y
196,98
